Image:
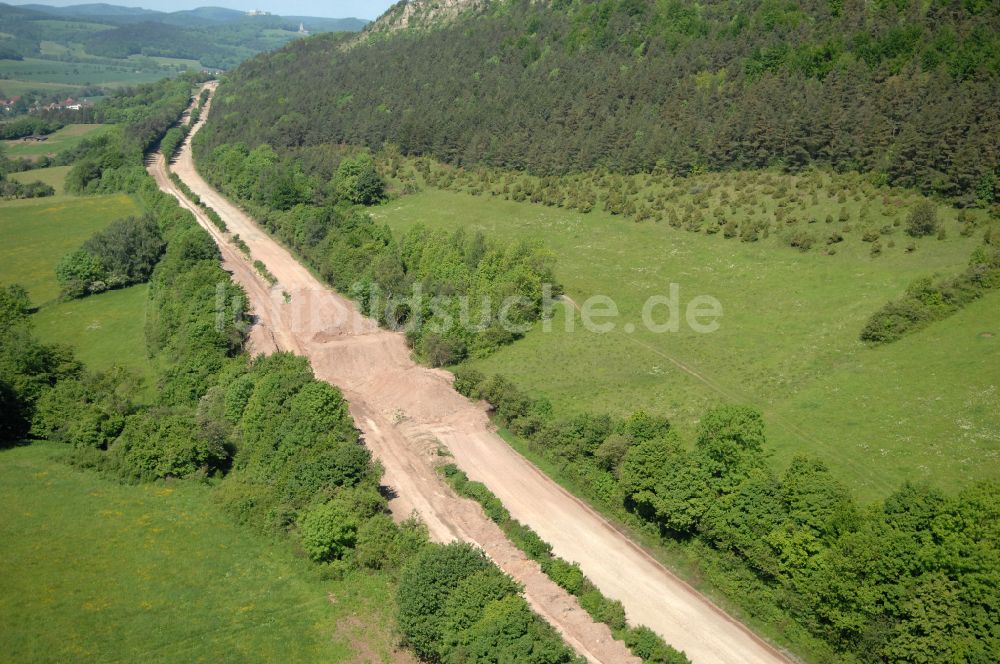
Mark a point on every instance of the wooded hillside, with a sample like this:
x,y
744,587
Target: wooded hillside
x,y
901,89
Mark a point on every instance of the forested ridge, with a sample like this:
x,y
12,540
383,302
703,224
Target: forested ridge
x,y
903,90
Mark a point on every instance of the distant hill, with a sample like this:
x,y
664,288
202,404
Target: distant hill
x,y
905,90
215,36
93,10
98,13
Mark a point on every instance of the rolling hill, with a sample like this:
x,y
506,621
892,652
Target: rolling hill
x,y
215,37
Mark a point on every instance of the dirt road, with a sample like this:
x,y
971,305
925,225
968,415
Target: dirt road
x,y
408,412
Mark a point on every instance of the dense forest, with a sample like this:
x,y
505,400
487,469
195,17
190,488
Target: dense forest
x,y
904,90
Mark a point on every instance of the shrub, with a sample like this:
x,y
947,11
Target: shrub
x,y
424,588
608,611
801,241
88,411
468,382
172,141
156,445
381,544
264,272
923,220
491,504
79,273
358,182
528,541
567,575
329,531
648,645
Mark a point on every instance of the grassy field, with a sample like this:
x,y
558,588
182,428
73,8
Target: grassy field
x,y
39,232
54,176
788,340
99,571
175,63
67,137
105,330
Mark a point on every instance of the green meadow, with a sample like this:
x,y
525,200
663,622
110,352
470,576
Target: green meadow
x,y
104,330
95,570
40,231
64,139
787,341
11,88
54,176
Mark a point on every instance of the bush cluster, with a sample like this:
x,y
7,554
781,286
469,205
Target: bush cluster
x,y
871,583
122,254
357,256
927,300
457,606
14,189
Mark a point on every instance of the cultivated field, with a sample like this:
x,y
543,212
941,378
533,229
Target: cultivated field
x,y
788,340
11,88
77,73
100,571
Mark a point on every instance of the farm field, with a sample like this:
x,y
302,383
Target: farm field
x,y
63,139
876,417
40,231
11,88
77,73
54,176
104,571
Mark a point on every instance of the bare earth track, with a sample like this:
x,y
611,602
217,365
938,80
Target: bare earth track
x,y
408,412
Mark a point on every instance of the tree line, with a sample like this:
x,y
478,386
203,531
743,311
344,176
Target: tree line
x,y
13,189
904,90
642,641
142,116
928,299
910,578
309,202
28,126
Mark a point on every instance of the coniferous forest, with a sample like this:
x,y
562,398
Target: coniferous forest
x,y
904,90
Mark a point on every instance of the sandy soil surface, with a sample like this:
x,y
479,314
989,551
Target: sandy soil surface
x,y
408,412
